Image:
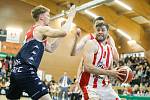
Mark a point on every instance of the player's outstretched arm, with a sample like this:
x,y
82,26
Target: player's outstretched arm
x,y
51,47
55,33
114,49
79,45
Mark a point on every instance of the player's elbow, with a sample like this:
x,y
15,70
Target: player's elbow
x,y
88,69
72,54
50,50
63,34
74,51
53,49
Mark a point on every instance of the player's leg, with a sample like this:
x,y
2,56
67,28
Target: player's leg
x,y
45,97
108,93
36,89
89,93
85,95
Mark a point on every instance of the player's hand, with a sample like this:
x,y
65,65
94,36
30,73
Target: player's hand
x,y
62,23
116,73
72,12
77,83
78,32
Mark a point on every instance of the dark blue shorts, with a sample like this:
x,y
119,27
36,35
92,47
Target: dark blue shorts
x,y
30,84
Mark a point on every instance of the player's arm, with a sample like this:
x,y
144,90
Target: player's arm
x,y
51,47
54,33
89,50
114,49
49,32
80,69
79,45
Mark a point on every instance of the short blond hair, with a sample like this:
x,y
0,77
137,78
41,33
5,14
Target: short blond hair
x,y
36,11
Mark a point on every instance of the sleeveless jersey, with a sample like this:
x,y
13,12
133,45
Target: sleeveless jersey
x,y
32,51
102,59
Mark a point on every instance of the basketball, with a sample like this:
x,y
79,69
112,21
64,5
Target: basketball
x,y
129,74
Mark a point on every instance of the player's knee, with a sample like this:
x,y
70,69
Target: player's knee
x,y
45,97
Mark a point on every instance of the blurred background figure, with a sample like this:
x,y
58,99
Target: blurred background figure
x,y
65,83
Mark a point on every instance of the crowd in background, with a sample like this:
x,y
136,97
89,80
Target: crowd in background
x,y
5,68
57,89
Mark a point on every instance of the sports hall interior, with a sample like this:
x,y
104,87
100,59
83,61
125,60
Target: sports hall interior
x,y
129,26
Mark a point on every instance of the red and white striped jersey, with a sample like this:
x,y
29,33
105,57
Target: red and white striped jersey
x,y
102,59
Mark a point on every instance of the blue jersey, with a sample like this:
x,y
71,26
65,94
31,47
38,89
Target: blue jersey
x,y
31,52
23,74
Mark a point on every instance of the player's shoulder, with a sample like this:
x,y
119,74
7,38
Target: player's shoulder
x,y
93,43
40,27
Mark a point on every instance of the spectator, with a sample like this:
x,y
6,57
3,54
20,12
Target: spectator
x,y
65,82
75,92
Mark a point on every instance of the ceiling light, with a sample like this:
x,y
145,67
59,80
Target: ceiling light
x,y
135,46
124,34
131,42
123,4
90,14
140,19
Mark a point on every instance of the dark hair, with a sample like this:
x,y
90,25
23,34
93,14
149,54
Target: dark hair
x,y
103,24
98,18
36,11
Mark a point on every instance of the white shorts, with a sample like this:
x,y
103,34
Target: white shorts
x,y
100,93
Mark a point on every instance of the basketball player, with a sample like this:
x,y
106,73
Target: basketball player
x,y
24,73
96,65
77,47
81,44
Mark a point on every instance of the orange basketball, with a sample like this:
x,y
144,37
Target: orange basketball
x,y
129,74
